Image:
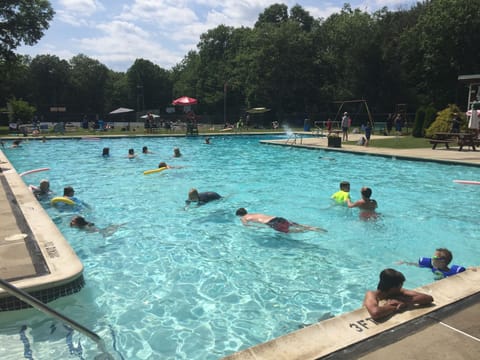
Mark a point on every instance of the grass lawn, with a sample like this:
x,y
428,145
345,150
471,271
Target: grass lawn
x,y
404,142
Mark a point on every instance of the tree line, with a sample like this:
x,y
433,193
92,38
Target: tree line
x,y
288,61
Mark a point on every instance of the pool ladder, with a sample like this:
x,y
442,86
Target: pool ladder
x,y
293,138
37,304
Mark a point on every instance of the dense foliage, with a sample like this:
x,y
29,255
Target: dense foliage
x,y
22,21
290,62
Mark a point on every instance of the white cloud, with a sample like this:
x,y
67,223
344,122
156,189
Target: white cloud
x,y
81,7
123,41
116,32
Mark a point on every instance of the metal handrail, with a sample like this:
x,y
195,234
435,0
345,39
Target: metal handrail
x,y
37,304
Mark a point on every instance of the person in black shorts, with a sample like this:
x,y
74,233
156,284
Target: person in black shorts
x,y
275,222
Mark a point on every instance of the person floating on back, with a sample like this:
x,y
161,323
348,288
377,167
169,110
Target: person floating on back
x,y
390,297
275,222
438,263
341,196
202,197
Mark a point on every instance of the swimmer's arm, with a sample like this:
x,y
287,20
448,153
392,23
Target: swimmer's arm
x,y
244,221
401,262
411,297
355,204
375,310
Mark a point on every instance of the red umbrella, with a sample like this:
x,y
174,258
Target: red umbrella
x,y
184,101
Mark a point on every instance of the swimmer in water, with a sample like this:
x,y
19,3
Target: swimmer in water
x,y
366,205
202,197
275,222
80,223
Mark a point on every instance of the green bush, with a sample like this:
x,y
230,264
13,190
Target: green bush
x,y
443,121
418,127
20,111
430,115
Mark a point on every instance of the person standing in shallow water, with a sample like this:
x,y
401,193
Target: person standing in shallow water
x,y
366,205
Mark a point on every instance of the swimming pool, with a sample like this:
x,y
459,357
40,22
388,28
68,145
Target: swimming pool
x,y
176,283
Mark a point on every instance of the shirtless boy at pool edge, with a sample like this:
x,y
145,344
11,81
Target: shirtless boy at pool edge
x,y
276,223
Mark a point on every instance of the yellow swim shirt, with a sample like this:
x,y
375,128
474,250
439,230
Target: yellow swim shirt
x,y
341,196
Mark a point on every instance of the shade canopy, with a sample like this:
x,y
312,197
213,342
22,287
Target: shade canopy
x,y
184,101
153,115
258,110
121,110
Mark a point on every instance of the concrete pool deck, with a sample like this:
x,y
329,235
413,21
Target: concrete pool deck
x,y
448,329
34,255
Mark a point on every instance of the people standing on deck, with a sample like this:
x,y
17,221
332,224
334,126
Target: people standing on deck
x,y
398,122
344,124
389,123
368,133
329,126
390,297
455,123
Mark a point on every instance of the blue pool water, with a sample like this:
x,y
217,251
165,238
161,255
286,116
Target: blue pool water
x,y
176,283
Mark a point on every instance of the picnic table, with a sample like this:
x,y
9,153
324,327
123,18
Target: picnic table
x,y
446,138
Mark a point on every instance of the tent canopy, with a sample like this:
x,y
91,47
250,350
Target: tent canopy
x,y
121,110
258,110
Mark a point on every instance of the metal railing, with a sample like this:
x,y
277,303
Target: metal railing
x,y
37,304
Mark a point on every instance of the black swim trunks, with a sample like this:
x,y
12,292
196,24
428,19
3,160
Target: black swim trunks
x,y
280,224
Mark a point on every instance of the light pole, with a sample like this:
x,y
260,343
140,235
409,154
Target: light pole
x,y
225,103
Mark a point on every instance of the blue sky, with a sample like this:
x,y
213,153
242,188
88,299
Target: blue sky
x,y
116,32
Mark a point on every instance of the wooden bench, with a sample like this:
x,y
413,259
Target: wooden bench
x,y
435,142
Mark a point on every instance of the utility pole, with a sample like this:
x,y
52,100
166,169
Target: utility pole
x,y
225,103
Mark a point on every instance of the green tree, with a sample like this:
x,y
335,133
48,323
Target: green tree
x,y
117,91
88,79
274,14
440,46
50,82
20,111
15,80
417,129
149,84
349,54
22,21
